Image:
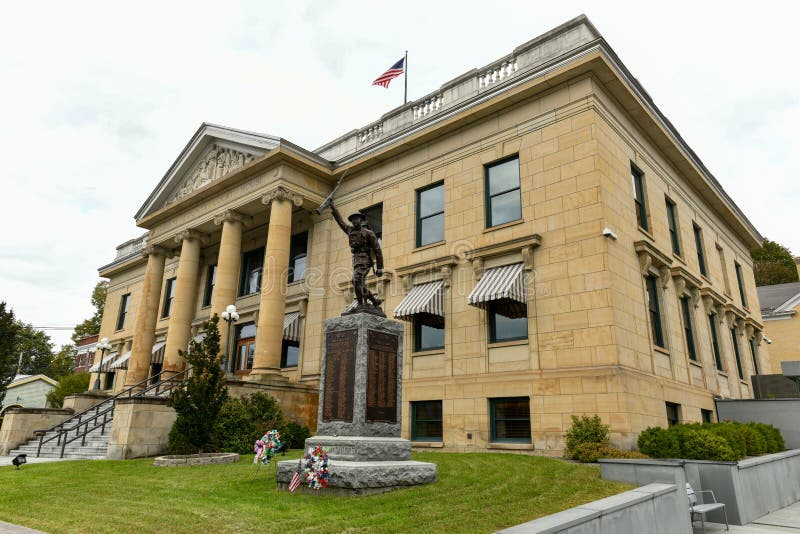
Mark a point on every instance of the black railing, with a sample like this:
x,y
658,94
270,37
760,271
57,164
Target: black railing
x,y
83,423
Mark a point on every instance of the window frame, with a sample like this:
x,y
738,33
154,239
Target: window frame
x,y
740,281
418,217
246,271
211,282
674,406
122,314
737,352
706,416
488,196
494,438
169,296
371,220
754,355
491,319
294,254
688,328
414,420
712,327
654,312
701,254
417,333
285,344
673,226
639,198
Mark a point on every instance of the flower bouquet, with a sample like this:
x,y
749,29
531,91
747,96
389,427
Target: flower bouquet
x,y
266,447
315,467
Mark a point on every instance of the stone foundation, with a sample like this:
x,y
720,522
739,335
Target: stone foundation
x,y
83,401
298,401
188,460
140,428
19,425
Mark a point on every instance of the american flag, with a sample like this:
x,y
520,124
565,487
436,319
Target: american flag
x,y
295,482
393,72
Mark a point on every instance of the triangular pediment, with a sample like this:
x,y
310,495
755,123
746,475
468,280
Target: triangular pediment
x,y
213,153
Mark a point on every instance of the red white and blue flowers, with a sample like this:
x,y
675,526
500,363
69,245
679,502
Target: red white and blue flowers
x,y
266,447
315,467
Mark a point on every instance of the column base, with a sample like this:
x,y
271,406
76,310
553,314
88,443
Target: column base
x,y
266,376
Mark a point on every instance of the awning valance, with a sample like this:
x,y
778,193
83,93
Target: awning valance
x,y
425,302
107,361
121,362
502,287
158,352
291,326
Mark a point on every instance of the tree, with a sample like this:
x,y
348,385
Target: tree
x,y
8,356
773,264
199,399
68,385
36,349
63,362
91,326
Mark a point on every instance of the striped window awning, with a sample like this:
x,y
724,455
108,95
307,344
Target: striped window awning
x,y
121,362
291,326
107,361
425,303
504,289
158,352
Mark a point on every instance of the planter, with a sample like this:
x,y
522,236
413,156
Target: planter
x,y
183,460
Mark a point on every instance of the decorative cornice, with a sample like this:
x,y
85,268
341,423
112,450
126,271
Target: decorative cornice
x,y
156,250
232,216
188,235
281,193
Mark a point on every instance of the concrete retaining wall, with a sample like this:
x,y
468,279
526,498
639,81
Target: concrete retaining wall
x,y
140,428
783,414
19,424
654,508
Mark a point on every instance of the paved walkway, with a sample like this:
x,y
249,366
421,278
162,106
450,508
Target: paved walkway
x,y
782,521
6,460
8,528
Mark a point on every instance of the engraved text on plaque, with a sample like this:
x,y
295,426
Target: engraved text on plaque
x,y
340,358
381,377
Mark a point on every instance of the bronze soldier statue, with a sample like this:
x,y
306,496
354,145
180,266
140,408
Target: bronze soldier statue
x,y
364,245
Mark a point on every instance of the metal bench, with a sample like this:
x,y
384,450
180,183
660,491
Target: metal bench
x,y
704,508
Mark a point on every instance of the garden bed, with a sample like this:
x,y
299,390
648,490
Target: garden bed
x,y
184,460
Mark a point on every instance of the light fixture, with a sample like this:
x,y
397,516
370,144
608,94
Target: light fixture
x,y
230,316
104,346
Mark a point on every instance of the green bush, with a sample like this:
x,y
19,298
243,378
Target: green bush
x,y
586,430
773,440
591,452
68,385
295,435
243,420
731,433
702,444
755,443
657,442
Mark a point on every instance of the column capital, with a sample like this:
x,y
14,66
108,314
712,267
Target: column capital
x,y
282,193
156,250
186,235
232,216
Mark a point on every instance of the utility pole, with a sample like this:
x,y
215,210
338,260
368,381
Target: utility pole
x,y
19,363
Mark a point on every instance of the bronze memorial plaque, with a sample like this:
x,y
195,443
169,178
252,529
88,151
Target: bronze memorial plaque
x,y
381,377
340,368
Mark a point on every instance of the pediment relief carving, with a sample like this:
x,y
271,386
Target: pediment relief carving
x,y
216,162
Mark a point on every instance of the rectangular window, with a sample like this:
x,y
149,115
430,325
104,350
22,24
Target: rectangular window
x,y
740,281
736,353
297,257
698,243
169,294
427,337
712,326
374,215
430,214
124,301
426,420
510,420
252,266
707,416
723,267
504,328
673,413
290,353
245,348
502,188
688,329
754,354
654,308
211,280
637,179
672,220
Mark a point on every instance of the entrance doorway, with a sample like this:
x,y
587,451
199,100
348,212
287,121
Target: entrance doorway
x,y
245,349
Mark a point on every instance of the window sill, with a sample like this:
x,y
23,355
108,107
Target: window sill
x,y
429,245
430,352
647,233
679,258
428,444
509,343
695,363
509,446
744,382
504,225
205,307
296,282
707,279
662,350
722,373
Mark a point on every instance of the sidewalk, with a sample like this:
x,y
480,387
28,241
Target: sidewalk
x,y
783,521
8,528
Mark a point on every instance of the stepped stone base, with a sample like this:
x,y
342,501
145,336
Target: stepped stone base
x,y
363,449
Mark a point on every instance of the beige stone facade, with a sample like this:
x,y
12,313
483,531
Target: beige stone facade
x,y
575,124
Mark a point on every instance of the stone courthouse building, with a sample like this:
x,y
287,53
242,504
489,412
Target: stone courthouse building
x,y
552,245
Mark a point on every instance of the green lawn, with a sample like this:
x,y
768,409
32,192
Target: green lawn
x,y
478,492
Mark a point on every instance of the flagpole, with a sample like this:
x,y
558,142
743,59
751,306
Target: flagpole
x,y
405,79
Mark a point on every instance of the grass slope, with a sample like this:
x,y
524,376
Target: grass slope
x,y
478,492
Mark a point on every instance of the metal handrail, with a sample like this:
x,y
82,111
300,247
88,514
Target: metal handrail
x,y
107,413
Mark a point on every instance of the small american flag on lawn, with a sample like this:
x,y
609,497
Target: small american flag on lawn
x,y
295,482
393,72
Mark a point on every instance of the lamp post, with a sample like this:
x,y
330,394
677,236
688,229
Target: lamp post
x,y
104,346
230,316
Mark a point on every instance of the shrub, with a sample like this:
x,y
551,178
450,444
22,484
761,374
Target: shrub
x,y
700,444
657,442
773,439
733,434
755,443
243,420
68,385
591,452
295,435
586,430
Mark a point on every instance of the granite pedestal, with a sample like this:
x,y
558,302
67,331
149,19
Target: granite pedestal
x,y
359,413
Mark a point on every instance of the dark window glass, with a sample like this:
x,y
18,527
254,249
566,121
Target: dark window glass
x,y
754,354
673,414
169,294
736,353
672,220
712,326
245,331
503,193
211,280
637,179
427,337
430,215
374,215
510,419
740,281
707,415
653,306
123,310
290,353
504,328
426,420
698,243
297,257
252,266
687,328
245,347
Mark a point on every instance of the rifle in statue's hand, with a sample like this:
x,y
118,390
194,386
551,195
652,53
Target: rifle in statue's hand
x,y
328,201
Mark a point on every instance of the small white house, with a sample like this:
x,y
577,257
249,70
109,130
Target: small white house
x,y
28,391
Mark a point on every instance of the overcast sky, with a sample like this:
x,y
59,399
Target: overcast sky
x,y
98,98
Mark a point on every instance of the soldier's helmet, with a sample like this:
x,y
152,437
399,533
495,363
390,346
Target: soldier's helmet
x,y
357,214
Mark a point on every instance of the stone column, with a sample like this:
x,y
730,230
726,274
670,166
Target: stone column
x,y
272,306
228,265
182,312
144,331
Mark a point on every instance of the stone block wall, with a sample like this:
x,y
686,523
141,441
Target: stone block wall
x,y
140,428
19,424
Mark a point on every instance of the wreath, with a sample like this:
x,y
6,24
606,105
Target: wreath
x,y
315,466
267,446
